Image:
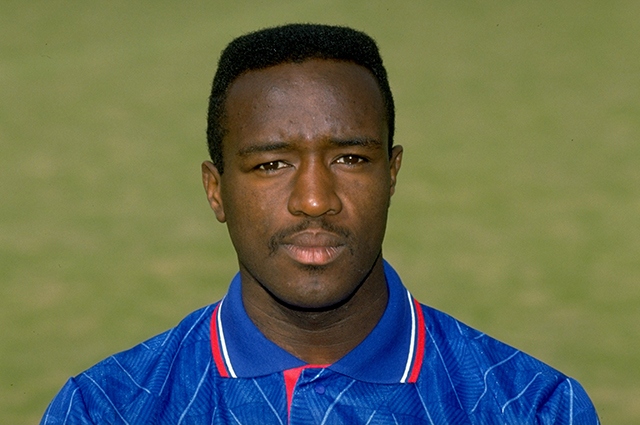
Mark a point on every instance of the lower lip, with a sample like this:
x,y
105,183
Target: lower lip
x,y
313,255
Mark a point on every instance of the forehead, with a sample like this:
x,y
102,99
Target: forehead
x,y
313,98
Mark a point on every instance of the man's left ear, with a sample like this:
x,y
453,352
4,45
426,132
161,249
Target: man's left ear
x,y
394,165
212,186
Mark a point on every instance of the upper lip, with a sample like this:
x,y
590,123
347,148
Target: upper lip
x,y
314,239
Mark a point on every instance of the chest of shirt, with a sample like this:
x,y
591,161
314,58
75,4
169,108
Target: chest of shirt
x,y
319,396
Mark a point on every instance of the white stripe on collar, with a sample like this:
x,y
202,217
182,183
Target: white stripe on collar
x,y
407,367
223,343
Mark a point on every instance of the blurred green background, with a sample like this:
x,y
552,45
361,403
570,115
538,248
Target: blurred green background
x,y
517,210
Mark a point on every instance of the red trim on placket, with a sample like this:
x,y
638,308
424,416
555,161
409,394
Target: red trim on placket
x,y
291,377
417,362
215,345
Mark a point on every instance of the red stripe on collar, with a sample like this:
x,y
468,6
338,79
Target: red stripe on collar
x,y
419,355
215,344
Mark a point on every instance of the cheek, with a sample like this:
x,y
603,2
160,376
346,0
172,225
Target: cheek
x,y
367,196
367,205
250,214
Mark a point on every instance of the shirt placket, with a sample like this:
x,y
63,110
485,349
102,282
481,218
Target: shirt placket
x,y
313,397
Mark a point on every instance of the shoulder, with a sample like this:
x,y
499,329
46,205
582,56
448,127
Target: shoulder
x,y
148,361
136,382
193,329
456,341
489,379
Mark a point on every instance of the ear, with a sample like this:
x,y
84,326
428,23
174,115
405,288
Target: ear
x,y
394,165
212,186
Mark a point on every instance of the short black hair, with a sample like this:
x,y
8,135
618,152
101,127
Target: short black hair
x,y
292,43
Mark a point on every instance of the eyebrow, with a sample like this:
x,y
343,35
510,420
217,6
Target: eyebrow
x,y
287,146
264,147
364,142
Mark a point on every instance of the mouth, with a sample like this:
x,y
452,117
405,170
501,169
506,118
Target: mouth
x,y
313,255
313,249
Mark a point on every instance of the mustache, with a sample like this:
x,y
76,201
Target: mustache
x,y
319,223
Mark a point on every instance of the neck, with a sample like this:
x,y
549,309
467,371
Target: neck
x,y
320,336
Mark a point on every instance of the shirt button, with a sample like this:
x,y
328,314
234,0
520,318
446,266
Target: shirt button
x,y
319,389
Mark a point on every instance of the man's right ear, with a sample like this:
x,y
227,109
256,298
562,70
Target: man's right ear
x,y
212,186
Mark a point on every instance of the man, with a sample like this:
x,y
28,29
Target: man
x,y
316,327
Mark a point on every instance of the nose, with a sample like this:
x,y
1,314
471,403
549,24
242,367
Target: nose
x,y
313,193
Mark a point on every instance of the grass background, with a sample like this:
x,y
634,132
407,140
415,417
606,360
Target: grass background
x,y
517,210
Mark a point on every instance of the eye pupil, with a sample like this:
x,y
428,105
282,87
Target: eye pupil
x,y
270,166
351,159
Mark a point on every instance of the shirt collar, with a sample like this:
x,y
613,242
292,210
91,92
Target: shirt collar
x,y
391,353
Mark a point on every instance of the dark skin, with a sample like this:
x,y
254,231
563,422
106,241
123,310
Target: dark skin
x,y
305,193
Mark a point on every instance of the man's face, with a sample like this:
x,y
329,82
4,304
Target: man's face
x,y
307,179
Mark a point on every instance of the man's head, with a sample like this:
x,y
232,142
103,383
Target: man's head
x,y
308,178
292,43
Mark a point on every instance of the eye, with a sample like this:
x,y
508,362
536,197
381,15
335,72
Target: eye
x,y
350,160
271,166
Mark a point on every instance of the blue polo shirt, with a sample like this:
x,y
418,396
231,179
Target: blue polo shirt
x,y
417,366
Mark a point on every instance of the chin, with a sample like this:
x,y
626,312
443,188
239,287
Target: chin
x,y
317,301
313,307
313,269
